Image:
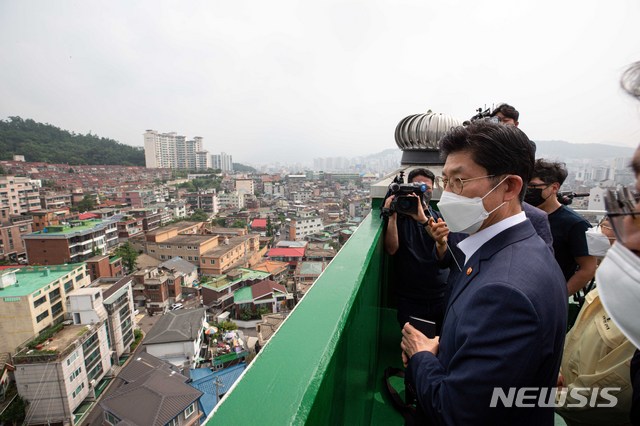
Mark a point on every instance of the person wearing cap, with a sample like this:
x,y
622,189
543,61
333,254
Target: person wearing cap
x,y
618,276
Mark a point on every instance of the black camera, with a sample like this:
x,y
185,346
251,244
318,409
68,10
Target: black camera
x,y
403,202
566,197
482,114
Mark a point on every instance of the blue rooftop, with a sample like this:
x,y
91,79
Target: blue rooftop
x,y
204,380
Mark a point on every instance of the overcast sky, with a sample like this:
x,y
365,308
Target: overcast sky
x,y
292,80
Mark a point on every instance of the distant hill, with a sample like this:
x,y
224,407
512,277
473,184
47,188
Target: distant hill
x,y
592,151
238,167
47,143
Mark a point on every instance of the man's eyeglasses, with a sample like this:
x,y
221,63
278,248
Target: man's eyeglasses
x,y
621,205
456,185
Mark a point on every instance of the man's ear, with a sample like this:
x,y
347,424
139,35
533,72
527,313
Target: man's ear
x,y
514,186
556,187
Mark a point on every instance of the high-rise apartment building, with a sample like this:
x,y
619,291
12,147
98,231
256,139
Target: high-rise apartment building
x,y
223,161
170,150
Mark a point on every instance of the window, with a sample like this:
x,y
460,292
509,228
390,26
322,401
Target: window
x,y
110,418
213,262
42,316
189,411
75,374
173,422
72,358
78,390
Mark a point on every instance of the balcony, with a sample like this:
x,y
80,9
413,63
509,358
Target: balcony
x,y
326,361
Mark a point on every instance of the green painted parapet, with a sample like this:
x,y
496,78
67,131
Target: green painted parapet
x,y
322,365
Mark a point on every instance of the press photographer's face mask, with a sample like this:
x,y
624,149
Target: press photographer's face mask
x,y
618,278
464,214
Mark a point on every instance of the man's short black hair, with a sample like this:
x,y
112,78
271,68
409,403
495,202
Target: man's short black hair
x,y
421,172
549,171
500,149
506,110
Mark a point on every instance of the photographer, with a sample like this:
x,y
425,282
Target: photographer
x,y
418,282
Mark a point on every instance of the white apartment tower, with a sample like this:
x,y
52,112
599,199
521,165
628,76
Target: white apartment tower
x,y
223,162
170,150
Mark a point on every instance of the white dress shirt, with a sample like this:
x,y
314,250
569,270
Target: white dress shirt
x,y
472,243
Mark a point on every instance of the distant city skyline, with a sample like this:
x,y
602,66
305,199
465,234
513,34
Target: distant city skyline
x,y
288,81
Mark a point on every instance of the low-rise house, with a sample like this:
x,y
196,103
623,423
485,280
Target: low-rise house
x,y
231,252
153,394
52,217
306,273
277,270
177,337
266,295
128,227
218,292
156,289
12,230
177,265
104,266
290,255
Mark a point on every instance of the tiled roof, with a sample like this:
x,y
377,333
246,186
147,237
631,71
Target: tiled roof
x,y
179,264
286,252
271,266
259,223
154,398
266,287
176,326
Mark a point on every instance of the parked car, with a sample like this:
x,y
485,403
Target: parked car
x,y
176,306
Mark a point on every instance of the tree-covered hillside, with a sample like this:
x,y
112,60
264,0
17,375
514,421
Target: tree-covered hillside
x,y
47,143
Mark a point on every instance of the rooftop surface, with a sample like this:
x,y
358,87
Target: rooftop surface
x,y
224,281
286,252
189,239
176,326
223,248
205,381
311,268
257,290
85,225
33,278
67,335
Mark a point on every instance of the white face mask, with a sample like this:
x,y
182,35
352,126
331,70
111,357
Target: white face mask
x,y
597,243
618,278
464,214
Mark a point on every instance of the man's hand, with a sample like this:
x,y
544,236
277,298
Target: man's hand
x,y
420,216
413,341
438,231
387,204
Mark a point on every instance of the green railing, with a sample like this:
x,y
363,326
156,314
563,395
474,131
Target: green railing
x,y
324,365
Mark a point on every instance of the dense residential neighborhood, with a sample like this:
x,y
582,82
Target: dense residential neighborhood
x,y
153,283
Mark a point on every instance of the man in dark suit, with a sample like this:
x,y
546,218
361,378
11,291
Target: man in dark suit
x,y
506,318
